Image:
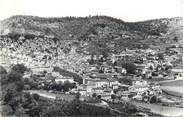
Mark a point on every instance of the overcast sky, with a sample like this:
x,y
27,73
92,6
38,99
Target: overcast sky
x,y
127,10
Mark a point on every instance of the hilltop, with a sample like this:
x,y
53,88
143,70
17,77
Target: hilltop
x,y
102,31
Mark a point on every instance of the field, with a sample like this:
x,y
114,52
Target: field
x,y
52,96
173,90
174,87
162,110
176,83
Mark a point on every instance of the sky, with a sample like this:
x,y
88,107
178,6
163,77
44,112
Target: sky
x,y
127,10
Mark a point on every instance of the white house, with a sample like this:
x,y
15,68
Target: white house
x,y
57,75
138,89
102,83
139,83
82,92
64,79
97,82
97,90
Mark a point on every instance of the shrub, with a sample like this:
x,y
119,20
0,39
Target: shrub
x,y
130,67
20,68
2,70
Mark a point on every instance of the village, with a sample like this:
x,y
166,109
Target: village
x,y
130,76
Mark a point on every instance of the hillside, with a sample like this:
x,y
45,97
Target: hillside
x,y
71,40
97,28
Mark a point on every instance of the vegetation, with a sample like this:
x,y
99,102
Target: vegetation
x,y
63,72
130,67
101,33
2,70
16,102
19,68
66,86
12,92
98,35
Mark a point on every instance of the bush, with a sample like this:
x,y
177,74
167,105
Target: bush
x,y
113,96
63,72
14,76
20,68
130,67
7,110
153,99
2,70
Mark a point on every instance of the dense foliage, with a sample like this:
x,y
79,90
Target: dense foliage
x,y
63,72
17,102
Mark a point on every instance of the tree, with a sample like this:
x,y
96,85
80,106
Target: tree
x,y
2,70
94,95
20,68
130,67
130,108
153,99
99,96
19,86
77,96
161,56
175,39
36,97
113,97
115,91
7,110
67,85
8,96
14,76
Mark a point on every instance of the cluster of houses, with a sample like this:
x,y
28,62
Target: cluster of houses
x,y
102,79
150,66
98,85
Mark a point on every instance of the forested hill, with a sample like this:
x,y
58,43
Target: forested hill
x,y
101,31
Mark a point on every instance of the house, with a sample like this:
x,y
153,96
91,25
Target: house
x,y
106,69
139,83
115,86
64,79
98,90
138,89
27,75
123,71
108,91
98,82
93,67
105,96
141,68
123,87
112,82
177,73
138,97
82,92
124,95
120,69
57,75
88,87
102,83
42,69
